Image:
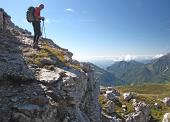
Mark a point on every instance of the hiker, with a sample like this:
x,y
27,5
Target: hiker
x,y
37,25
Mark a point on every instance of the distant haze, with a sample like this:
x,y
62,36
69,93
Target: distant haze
x,y
104,62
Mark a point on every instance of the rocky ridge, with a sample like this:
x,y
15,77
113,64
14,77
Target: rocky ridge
x,y
45,85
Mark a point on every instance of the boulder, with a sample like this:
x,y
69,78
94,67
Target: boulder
x,y
103,90
124,107
114,91
166,101
141,114
128,96
47,61
108,118
109,95
110,88
110,107
166,117
134,102
136,117
157,105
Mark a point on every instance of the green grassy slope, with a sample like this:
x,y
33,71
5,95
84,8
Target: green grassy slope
x,y
150,93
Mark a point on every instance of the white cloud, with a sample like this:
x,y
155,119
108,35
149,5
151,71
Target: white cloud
x,y
158,56
116,58
48,21
69,10
127,58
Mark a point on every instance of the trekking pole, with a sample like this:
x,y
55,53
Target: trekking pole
x,y
43,29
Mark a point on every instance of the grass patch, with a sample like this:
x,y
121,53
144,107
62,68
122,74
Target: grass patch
x,y
35,58
55,52
77,67
50,52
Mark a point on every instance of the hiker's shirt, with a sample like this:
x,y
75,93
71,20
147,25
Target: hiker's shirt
x,y
37,14
36,23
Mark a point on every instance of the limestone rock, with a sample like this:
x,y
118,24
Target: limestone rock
x,y
107,118
109,95
110,107
128,96
31,93
47,61
166,101
157,105
141,114
166,117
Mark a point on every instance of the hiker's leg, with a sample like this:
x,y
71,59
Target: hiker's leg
x,y
38,27
34,39
35,32
37,38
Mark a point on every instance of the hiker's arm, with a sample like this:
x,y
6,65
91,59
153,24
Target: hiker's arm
x,y
39,17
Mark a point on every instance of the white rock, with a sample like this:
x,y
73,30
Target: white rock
x,y
141,114
134,102
107,118
166,117
109,95
128,96
124,107
157,105
166,101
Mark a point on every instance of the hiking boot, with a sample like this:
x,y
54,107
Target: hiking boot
x,y
38,48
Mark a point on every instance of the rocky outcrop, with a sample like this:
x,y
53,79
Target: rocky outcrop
x,y
166,117
12,64
90,103
110,101
110,107
44,85
157,105
128,96
166,101
7,24
141,114
107,118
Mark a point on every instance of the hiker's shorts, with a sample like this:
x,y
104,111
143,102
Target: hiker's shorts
x,y
37,28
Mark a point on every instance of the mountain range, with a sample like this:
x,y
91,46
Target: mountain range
x,y
104,77
134,72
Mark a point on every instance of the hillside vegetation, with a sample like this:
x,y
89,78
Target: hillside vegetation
x,y
150,93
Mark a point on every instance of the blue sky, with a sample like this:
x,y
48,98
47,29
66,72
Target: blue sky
x,y
102,28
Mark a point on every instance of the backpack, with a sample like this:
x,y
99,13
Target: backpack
x,y
30,14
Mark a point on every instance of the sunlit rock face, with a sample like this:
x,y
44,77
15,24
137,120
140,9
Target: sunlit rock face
x,y
44,85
